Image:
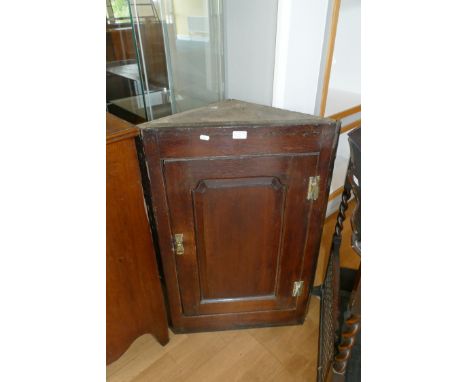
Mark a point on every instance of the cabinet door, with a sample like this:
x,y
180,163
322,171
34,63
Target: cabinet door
x,y
244,222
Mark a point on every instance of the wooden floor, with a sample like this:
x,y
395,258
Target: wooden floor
x,y
287,353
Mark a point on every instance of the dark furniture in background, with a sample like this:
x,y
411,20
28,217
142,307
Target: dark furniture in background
x,y
135,303
127,66
239,192
339,328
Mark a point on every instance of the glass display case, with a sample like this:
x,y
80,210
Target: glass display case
x,y
163,57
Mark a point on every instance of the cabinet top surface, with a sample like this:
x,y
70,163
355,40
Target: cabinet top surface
x,y
118,129
234,112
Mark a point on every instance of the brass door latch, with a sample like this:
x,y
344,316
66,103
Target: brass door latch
x,y
179,243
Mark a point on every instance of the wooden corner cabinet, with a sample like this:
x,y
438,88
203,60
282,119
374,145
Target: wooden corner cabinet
x,y
134,300
239,192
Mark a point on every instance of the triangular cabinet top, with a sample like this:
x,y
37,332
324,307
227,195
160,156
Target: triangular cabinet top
x,y
234,113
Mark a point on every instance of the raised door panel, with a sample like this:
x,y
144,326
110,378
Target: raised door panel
x,y
244,222
238,232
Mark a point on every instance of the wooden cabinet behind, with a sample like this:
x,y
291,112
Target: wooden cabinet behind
x,y
135,302
240,193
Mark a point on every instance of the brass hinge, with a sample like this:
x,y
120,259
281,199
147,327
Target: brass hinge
x,y
313,190
179,243
297,288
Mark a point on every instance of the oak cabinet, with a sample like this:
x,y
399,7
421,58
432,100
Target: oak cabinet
x,y
134,298
239,193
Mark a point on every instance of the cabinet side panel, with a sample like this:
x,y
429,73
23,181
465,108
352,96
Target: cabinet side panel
x,y
134,297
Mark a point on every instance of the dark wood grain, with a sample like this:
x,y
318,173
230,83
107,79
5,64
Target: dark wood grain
x,y
253,233
186,143
135,302
249,230
257,205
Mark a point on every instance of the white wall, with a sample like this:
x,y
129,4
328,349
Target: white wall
x,y
249,49
274,56
299,49
346,64
345,82
345,77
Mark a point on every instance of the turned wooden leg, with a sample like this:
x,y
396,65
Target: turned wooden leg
x,y
351,327
335,254
330,304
